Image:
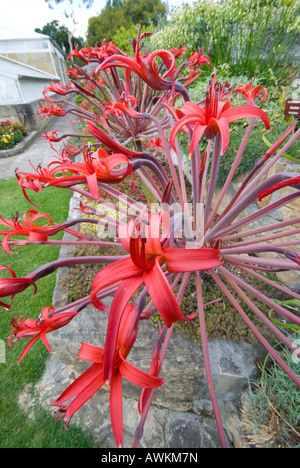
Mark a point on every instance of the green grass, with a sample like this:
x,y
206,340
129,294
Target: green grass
x,y
16,429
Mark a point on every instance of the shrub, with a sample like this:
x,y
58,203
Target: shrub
x,y
11,134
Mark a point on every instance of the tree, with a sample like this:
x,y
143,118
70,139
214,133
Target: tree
x,y
126,13
69,13
107,24
144,11
60,34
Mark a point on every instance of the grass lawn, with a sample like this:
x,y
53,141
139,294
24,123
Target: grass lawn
x,y
16,430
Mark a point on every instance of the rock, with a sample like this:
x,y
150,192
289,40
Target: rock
x,y
181,413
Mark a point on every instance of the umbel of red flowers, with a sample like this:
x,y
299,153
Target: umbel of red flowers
x,y
128,105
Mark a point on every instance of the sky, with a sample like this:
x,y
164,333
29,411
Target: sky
x,y
26,15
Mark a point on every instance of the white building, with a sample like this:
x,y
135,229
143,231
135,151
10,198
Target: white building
x,y
36,50
21,83
28,63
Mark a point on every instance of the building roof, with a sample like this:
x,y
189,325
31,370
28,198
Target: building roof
x,y
17,70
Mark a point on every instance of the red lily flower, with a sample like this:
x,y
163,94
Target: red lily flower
x,y
52,136
29,228
198,59
97,167
144,66
82,54
147,254
252,93
58,88
92,379
37,329
12,286
157,142
103,52
74,73
122,106
212,118
177,52
48,110
274,188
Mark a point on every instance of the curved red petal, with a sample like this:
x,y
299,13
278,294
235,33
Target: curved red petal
x,y
162,294
187,260
116,408
223,127
91,353
123,295
138,377
274,188
242,112
111,274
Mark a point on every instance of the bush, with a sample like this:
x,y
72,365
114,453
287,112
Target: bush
x,y
11,134
250,36
270,415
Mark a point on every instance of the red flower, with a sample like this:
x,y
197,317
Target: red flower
x,y
103,52
48,110
12,286
122,106
97,167
198,59
148,251
34,232
178,52
212,118
92,380
157,142
37,329
59,88
252,93
82,54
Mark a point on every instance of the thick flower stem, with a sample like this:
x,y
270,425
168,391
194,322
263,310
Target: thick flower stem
x,y
208,371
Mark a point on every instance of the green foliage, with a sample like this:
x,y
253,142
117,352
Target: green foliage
x,y
123,37
106,25
60,35
271,409
250,36
118,17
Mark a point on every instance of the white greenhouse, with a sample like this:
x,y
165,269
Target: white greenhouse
x,y
28,63
34,49
21,83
